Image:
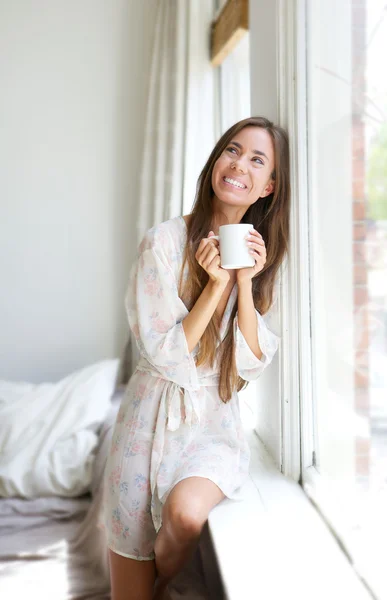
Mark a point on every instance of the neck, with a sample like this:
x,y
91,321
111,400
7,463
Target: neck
x,y
226,215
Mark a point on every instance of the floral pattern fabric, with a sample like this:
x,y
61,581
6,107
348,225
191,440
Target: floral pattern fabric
x,y
172,423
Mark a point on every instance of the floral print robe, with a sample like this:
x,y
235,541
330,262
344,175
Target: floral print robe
x,y
172,423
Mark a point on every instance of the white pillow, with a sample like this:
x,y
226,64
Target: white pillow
x,y
48,432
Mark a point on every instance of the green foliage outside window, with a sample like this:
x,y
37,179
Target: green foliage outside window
x,y
377,176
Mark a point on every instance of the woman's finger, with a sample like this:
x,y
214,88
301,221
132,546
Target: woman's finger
x,y
204,242
258,257
201,248
256,254
256,238
215,263
257,247
208,247
213,241
202,245
210,253
256,233
259,260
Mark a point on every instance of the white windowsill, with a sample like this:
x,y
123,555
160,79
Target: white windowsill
x,y
274,545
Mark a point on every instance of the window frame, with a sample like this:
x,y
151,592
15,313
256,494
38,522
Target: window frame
x,y
279,501
298,414
280,31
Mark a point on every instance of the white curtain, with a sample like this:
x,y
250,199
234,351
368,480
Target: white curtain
x,y
181,118
180,121
162,166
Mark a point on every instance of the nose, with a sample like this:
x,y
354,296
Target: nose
x,y
239,165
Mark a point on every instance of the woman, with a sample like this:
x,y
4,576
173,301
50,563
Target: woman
x,y
178,446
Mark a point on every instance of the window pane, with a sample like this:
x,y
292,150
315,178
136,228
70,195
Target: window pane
x,y
347,113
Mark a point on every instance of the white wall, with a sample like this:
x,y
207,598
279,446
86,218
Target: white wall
x,y
73,80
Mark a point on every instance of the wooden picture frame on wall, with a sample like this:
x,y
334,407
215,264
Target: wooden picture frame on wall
x,y
228,29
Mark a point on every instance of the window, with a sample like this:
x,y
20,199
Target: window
x,y
346,50
234,105
235,85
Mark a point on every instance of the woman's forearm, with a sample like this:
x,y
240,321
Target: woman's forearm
x,y
200,315
247,318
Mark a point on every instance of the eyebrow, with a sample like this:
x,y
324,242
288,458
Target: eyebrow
x,y
259,152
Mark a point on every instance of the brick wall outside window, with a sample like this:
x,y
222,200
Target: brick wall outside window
x,y
360,273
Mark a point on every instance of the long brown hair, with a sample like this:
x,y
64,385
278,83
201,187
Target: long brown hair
x,y
270,216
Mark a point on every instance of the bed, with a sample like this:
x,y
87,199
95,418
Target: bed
x,y
51,548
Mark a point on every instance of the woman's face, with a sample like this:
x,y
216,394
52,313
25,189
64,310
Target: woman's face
x,y
242,173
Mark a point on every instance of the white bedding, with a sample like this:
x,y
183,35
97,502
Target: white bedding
x,y
52,549
48,432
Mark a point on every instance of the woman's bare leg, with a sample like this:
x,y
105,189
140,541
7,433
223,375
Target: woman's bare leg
x,y
184,514
131,579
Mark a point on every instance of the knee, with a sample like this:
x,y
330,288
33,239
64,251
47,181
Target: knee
x,y
184,522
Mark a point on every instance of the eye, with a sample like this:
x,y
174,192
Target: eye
x,y
259,159
231,149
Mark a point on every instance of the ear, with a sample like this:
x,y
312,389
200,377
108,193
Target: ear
x,y
268,189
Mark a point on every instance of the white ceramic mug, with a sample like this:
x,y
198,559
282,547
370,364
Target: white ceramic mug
x,y
234,251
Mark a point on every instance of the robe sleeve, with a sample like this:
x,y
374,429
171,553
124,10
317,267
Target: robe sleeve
x,y
155,313
249,367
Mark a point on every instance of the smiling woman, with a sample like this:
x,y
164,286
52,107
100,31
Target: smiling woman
x,y
178,445
243,172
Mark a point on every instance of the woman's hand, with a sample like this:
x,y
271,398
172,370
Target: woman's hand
x,y
258,250
208,257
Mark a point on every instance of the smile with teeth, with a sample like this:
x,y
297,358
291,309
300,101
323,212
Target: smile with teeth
x,y
234,183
